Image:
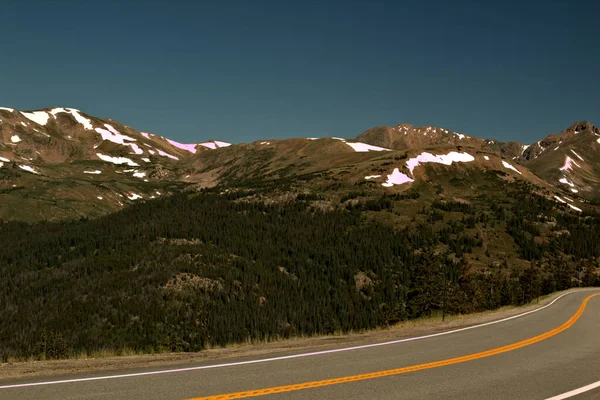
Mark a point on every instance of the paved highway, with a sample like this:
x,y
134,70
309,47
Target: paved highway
x,y
553,352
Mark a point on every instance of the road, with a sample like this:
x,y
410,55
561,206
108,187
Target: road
x,y
543,354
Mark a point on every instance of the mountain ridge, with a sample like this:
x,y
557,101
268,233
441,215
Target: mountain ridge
x,y
108,165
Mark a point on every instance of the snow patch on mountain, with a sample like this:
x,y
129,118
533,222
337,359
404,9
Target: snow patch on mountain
x,y
4,159
28,169
372,176
7,109
133,196
559,199
117,160
578,156
363,147
189,147
87,123
222,144
569,162
566,181
136,149
446,159
165,154
210,145
139,174
39,117
507,165
15,139
575,208
397,178
145,134
96,172
112,135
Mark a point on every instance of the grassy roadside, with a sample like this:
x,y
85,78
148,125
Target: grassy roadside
x,y
110,360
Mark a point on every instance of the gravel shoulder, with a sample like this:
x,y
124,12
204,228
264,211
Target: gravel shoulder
x,y
26,369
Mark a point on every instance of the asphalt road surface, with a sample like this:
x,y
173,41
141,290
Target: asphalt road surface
x,y
544,354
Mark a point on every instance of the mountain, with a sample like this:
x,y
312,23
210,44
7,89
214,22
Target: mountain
x,y
568,159
62,163
406,136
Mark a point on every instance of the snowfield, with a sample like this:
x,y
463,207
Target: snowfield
x,y
189,147
446,159
28,169
363,147
397,178
39,117
569,162
210,145
117,160
566,182
214,144
112,135
508,166
575,208
165,154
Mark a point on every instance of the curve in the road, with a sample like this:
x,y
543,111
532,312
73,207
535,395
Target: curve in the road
x,y
403,370
271,359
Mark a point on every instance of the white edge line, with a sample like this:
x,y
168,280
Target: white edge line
x,y
263,360
575,392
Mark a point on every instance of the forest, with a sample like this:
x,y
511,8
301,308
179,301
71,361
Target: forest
x,y
194,271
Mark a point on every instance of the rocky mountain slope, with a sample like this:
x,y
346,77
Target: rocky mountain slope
x,y
568,159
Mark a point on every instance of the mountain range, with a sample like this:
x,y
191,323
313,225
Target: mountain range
x,y
61,163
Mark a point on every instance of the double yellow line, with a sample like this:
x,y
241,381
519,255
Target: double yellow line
x,y
403,370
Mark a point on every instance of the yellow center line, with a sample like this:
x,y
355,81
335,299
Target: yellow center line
x,y
403,370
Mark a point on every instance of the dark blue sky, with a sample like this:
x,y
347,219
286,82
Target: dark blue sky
x,y
247,70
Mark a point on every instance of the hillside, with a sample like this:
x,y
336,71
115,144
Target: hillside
x,y
144,243
194,271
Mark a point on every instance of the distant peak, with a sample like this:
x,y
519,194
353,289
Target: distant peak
x,y
581,126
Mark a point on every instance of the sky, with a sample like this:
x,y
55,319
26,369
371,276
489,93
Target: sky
x,y
245,70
